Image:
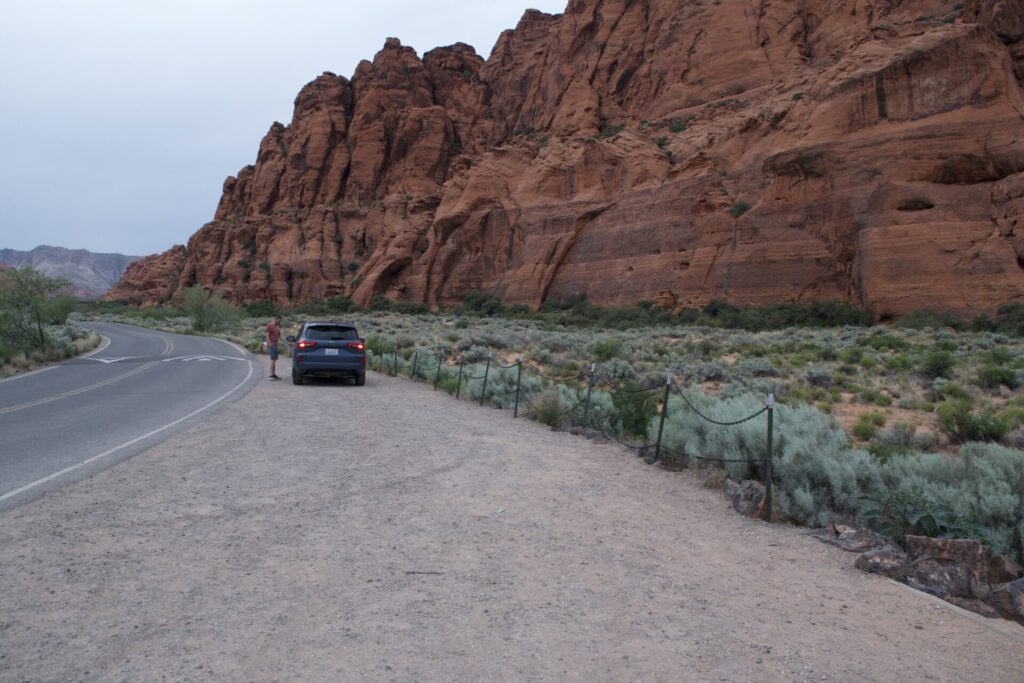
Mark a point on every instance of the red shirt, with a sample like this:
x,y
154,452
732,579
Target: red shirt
x,y
273,332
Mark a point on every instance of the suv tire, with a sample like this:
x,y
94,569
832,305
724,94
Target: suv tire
x,y
361,379
296,378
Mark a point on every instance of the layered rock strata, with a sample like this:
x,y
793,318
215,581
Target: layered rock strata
x,y
757,151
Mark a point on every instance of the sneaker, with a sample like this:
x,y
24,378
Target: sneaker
x,y
273,377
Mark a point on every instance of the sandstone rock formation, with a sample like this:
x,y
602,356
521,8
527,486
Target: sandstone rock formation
x,y
91,274
679,151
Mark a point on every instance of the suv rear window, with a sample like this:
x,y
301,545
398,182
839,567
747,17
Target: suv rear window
x,y
330,333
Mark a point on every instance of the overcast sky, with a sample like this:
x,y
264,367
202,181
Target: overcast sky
x,y
120,119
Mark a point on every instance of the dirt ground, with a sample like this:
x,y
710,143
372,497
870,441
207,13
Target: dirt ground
x,y
330,532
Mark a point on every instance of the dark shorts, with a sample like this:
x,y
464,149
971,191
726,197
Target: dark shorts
x,y
272,348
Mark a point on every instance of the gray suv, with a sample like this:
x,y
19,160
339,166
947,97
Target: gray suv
x,y
328,349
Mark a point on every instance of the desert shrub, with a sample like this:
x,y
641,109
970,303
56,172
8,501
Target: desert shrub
x,y
937,363
636,407
885,342
208,310
864,429
603,414
607,349
962,424
756,367
919,320
29,302
547,408
739,208
481,303
613,371
449,384
706,372
501,386
876,397
943,388
978,494
899,440
1010,319
816,473
261,309
818,376
475,354
994,376
426,361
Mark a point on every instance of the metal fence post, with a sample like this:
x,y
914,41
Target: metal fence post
x,y
396,360
487,371
440,362
458,387
519,380
590,389
664,414
768,461
415,362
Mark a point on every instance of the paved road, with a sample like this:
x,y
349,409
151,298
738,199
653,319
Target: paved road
x,y
70,420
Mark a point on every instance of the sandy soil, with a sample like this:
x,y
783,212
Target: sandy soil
x,y
330,532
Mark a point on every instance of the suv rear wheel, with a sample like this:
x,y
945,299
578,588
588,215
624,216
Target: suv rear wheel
x,y
296,377
361,379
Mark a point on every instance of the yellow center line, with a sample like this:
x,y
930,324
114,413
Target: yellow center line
x,y
81,390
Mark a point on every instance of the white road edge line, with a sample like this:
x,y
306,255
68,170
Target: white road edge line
x,y
235,346
105,344
94,458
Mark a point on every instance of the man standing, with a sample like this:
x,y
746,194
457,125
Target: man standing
x,y
273,336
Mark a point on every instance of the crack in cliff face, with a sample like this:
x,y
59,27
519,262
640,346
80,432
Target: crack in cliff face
x,y
562,251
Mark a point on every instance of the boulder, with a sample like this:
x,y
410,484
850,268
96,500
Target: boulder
x,y
1003,569
976,606
1008,598
747,498
890,562
942,579
854,540
955,566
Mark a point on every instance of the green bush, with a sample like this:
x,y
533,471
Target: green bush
x,y
937,363
961,424
739,208
607,349
548,408
978,494
208,310
919,320
994,376
636,407
29,302
261,309
816,473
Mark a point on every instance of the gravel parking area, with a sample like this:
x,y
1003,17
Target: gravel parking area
x,y
328,532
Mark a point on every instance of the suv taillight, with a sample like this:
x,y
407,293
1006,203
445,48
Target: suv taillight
x,y
357,346
304,345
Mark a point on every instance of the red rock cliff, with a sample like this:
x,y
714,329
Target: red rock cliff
x,y
757,151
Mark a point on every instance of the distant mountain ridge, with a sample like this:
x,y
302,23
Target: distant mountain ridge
x,y
90,274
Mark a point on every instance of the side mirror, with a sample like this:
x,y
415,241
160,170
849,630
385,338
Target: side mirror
x,y
291,338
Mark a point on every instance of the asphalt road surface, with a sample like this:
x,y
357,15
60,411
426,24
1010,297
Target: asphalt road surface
x,y
68,421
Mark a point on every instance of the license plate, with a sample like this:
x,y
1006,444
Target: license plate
x,y
330,352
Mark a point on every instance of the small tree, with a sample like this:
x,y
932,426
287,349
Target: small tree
x,y
29,301
208,310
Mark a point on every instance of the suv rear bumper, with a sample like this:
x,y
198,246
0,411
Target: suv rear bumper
x,y
314,368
